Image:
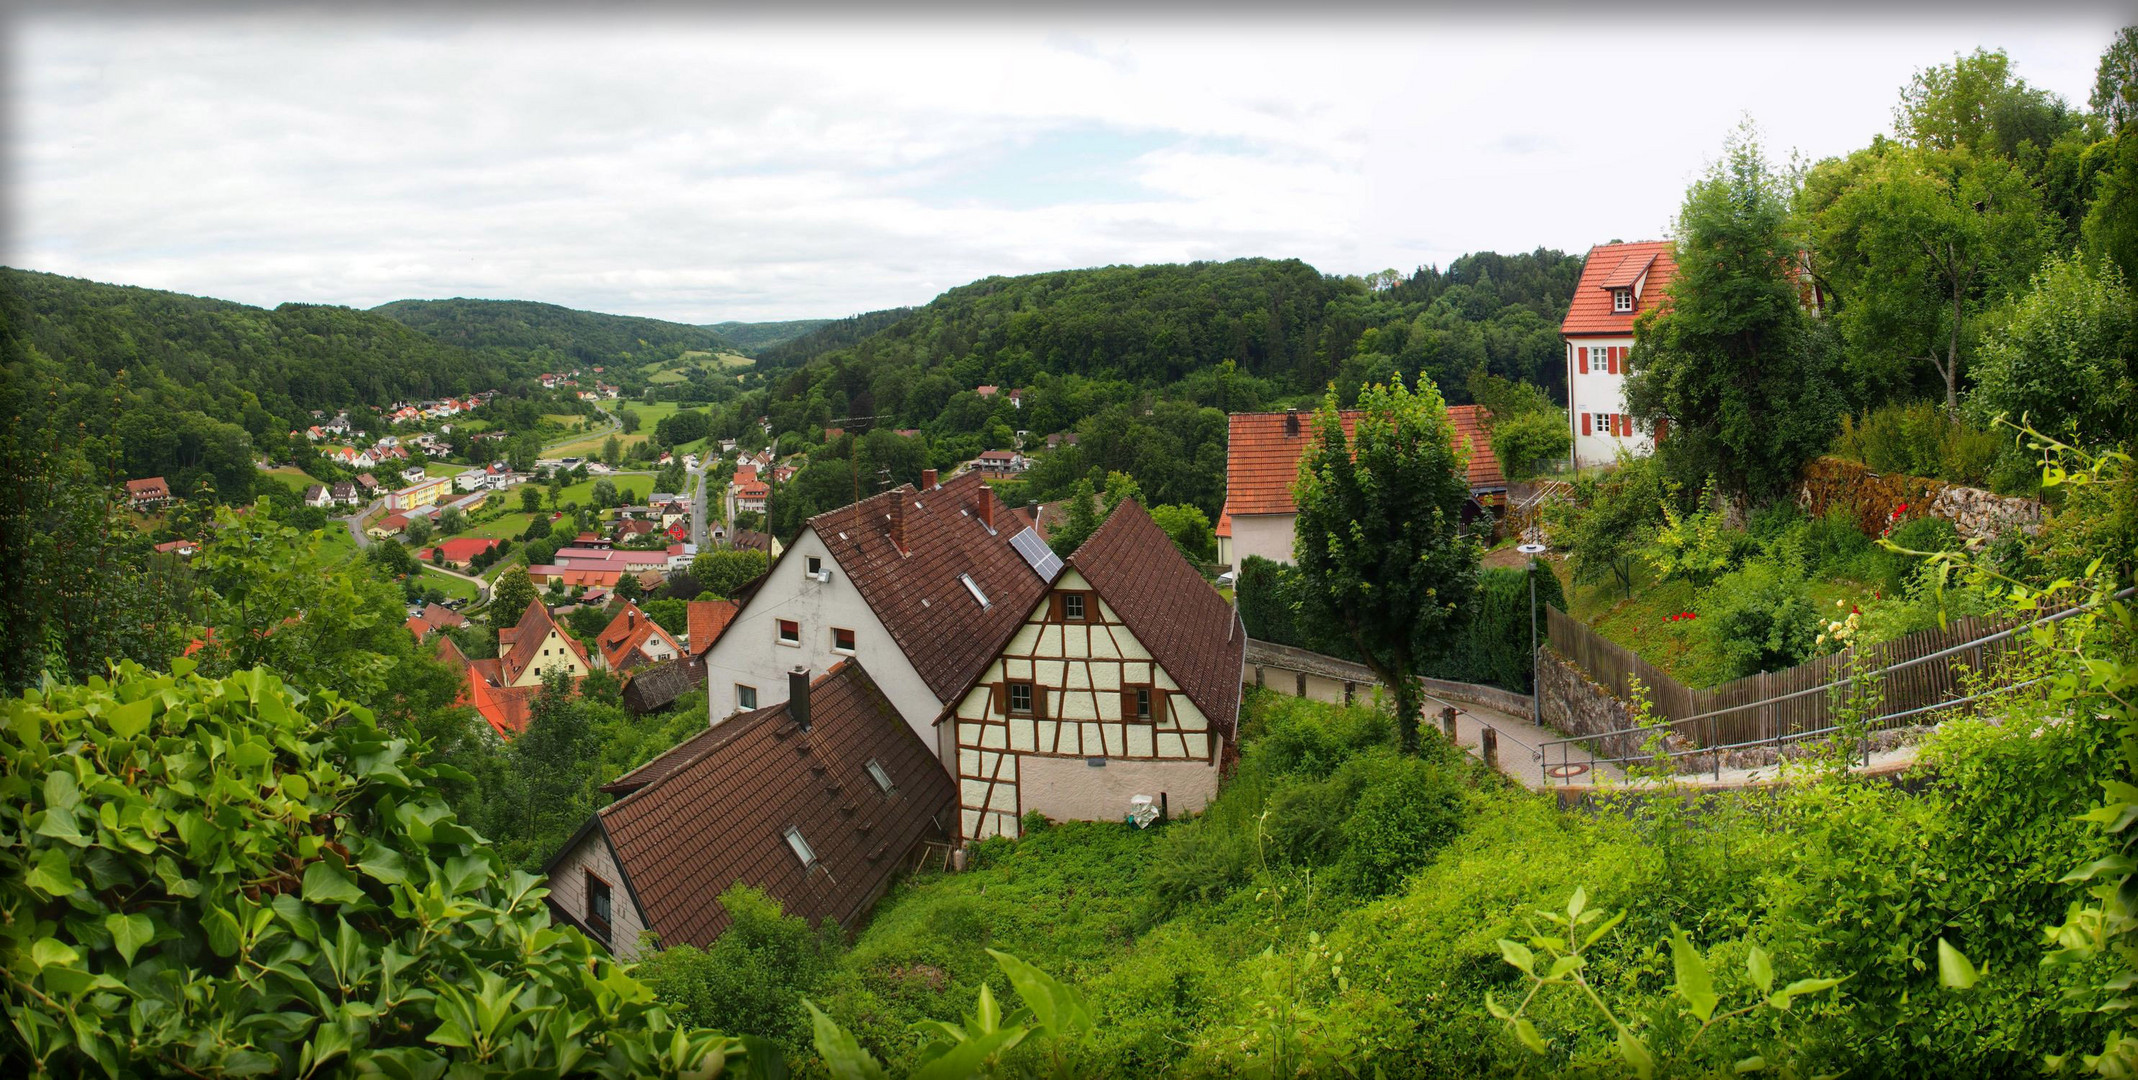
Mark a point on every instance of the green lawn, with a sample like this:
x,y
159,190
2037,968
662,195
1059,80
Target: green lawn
x,y
442,468
632,488
336,546
290,477
648,417
448,584
507,527
1643,621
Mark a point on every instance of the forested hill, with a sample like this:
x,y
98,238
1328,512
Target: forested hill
x,y
585,336
205,381
834,334
751,337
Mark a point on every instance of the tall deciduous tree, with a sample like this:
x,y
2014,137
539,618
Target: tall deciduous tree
x,y
1383,560
509,600
2062,356
1918,244
2115,83
1742,373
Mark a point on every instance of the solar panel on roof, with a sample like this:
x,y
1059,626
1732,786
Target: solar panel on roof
x,y
1037,554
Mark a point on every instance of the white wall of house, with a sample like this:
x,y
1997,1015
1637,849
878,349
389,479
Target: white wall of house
x,y
1010,762
749,652
567,887
1267,535
1598,393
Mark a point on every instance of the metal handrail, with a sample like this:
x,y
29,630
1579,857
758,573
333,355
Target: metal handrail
x,y
1564,744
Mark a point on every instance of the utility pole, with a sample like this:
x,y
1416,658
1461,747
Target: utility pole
x,y
1536,689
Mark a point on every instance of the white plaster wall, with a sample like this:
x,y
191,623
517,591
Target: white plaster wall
x,y
1071,789
1599,392
1267,535
749,652
567,886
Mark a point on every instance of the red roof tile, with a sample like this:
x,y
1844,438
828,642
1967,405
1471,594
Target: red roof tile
x,y
705,621
1469,424
917,593
527,637
1611,266
626,633
715,810
459,550
1190,630
1263,452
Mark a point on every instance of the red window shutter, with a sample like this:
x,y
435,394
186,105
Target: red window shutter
x,y
1002,699
1158,705
1054,608
1613,354
1584,423
1625,425
1128,704
1661,427
1584,359
1039,702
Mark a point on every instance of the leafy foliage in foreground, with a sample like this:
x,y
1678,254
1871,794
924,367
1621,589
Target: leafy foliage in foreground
x,y
227,877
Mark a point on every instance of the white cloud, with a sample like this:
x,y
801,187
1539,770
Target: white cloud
x,y
700,171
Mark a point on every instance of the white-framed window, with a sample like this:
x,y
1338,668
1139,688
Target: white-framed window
x,y
842,640
745,696
790,632
1622,300
1021,698
876,772
812,564
1073,607
801,848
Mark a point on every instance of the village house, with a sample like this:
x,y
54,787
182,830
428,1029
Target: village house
x,y
1123,680
346,494
1619,283
632,639
149,493
819,800
317,495
368,482
433,618
921,586
426,492
1262,463
1001,462
390,525
459,552
502,690
184,549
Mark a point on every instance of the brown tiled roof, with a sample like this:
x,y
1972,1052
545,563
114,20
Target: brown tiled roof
x,y
658,685
751,539
1613,266
917,593
1262,459
718,810
706,620
149,487
1469,424
1190,630
440,615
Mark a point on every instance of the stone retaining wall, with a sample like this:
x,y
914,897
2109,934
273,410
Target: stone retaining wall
x,y
1871,498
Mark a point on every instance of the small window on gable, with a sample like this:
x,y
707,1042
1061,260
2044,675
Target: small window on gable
x,y
599,906
812,564
842,640
1143,703
790,632
801,848
745,696
876,772
1073,607
1622,300
1020,697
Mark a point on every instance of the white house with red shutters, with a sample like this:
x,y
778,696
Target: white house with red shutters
x,y
1619,283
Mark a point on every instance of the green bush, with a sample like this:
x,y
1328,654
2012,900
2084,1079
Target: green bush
x,y
1759,617
752,977
1405,812
1491,645
226,877
1920,439
1924,533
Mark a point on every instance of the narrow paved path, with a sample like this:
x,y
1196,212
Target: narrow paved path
x,y
1518,742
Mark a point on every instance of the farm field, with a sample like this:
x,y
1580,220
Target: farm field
x,y
648,417
674,371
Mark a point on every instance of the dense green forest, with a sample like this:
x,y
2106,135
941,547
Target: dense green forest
x,y
193,389
753,337
585,337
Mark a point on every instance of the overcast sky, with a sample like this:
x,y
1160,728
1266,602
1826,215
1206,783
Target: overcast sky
x,y
702,169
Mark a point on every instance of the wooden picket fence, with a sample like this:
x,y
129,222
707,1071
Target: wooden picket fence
x,y
1778,704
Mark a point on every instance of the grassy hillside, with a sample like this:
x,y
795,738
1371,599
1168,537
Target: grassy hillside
x,y
750,337
585,336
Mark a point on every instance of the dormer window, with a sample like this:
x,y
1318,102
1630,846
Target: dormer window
x,y
876,772
801,848
1621,300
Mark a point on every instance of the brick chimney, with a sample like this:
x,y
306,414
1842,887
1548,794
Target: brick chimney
x,y
898,521
1291,423
798,696
987,508
927,479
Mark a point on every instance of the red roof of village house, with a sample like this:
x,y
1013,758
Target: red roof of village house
x,y
527,637
706,620
149,487
1262,459
1616,266
630,629
460,549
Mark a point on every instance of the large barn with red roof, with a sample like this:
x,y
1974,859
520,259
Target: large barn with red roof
x,y
1619,283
